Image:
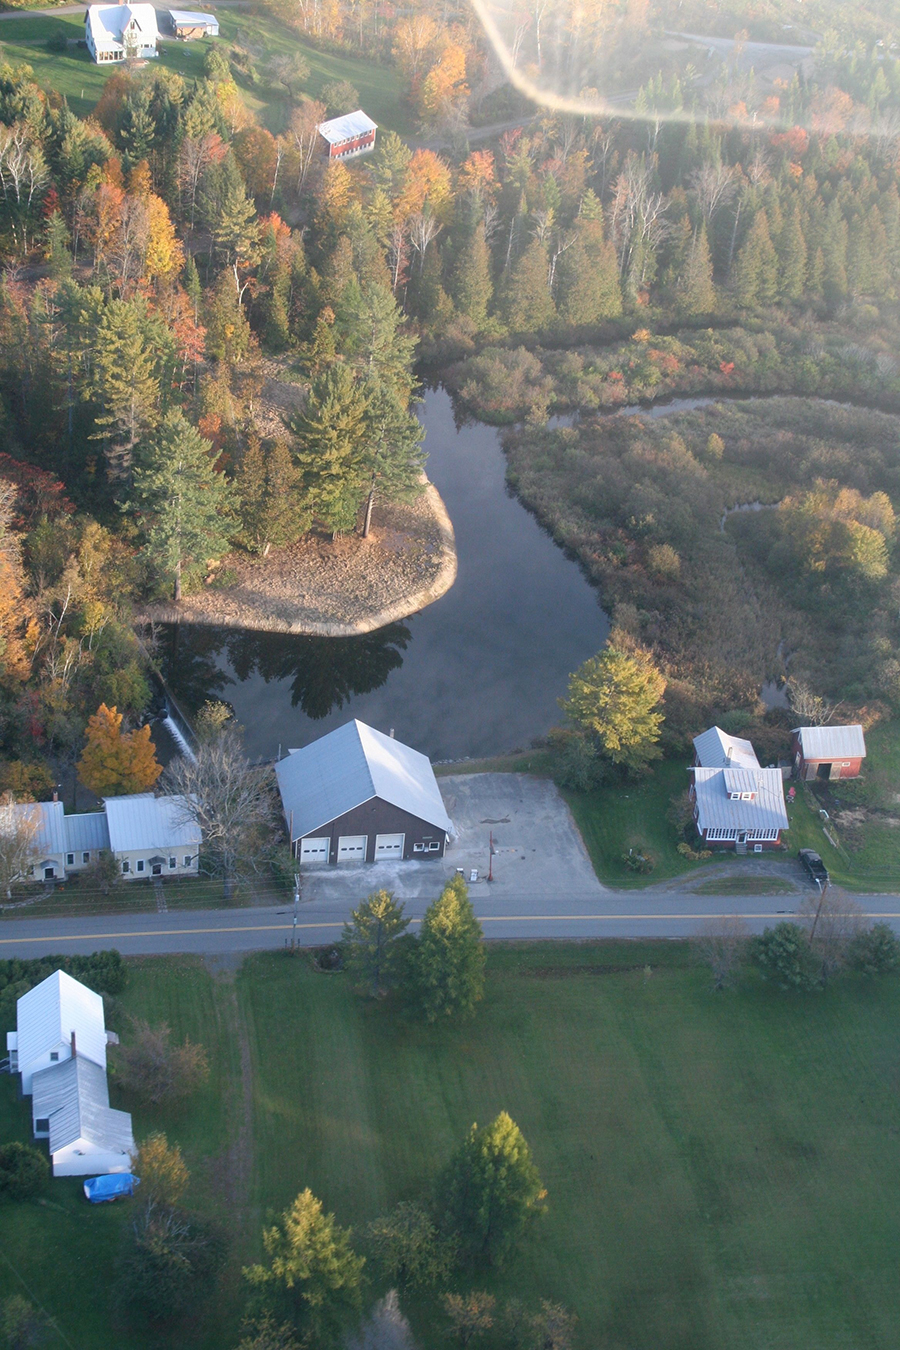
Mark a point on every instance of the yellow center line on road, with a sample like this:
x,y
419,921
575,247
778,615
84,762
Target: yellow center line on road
x,y
484,918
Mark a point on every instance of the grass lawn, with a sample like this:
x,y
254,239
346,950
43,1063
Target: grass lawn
x,y
76,75
722,1170
745,885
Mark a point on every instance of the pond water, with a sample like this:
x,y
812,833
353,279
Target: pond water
x,y
478,672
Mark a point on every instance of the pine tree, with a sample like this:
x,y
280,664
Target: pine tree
x,y
697,293
472,287
370,941
268,485
186,506
588,273
449,967
528,304
755,274
229,213
792,257
491,1191
615,698
58,247
125,383
393,458
330,448
834,254
115,763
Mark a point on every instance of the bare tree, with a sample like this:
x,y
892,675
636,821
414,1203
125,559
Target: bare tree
x,y
712,187
304,136
422,229
722,945
19,826
833,921
385,1328
154,1069
811,708
230,800
195,155
637,220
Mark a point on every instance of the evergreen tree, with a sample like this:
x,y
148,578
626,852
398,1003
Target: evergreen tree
x,y
58,247
268,485
792,258
229,213
472,287
393,460
449,973
528,304
125,383
834,254
588,274
697,292
490,1192
755,276
330,448
615,698
185,504
370,941
312,1270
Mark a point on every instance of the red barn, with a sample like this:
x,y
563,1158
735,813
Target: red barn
x,y
348,136
828,752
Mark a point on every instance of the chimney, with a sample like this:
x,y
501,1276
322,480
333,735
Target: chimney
x,y
74,1051
391,733
55,795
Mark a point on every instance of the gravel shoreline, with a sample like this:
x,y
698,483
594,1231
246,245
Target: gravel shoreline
x,y
334,589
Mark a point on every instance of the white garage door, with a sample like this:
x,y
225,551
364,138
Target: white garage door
x,y
388,846
315,850
352,848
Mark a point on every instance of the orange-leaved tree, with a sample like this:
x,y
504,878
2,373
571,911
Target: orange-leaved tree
x,y
114,762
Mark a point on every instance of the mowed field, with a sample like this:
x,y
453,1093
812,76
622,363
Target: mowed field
x,y
722,1170
76,76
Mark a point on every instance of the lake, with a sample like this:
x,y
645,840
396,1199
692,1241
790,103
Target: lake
x,y
477,673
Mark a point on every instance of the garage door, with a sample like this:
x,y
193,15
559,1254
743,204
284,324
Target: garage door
x,y
388,846
352,848
314,850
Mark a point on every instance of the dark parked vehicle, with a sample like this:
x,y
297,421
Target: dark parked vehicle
x,y
813,866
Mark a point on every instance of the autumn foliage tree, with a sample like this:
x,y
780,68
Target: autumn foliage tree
x,y
116,762
614,698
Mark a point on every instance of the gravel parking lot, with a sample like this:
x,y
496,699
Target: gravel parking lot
x,y
538,850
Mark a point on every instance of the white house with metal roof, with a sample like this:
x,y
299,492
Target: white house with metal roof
x,y
59,1048
116,32
739,807
715,749
357,795
348,136
828,752
153,836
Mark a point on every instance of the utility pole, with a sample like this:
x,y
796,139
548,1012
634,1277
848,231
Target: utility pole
x,y
490,875
296,913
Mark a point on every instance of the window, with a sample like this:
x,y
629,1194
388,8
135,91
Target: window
x,y
746,796
173,863
140,864
434,846
70,860
126,866
42,1125
187,860
418,848
845,764
86,856
54,1056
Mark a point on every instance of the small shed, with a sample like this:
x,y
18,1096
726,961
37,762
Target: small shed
x,y
828,753
357,795
188,24
348,136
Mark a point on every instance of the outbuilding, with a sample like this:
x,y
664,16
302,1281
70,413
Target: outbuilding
x,y
189,24
828,752
348,136
357,795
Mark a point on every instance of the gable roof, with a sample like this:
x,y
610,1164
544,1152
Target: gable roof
x,y
87,831
50,836
345,128
74,1096
349,766
108,23
832,742
716,810
142,821
51,1011
717,750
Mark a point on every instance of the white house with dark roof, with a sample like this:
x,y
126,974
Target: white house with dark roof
x,y
59,1048
357,795
116,32
828,752
739,807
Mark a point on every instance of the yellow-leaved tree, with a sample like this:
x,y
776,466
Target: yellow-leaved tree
x,y
115,762
614,698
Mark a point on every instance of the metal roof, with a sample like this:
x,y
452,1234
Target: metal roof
x,y
187,16
50,836
143,821
87,831
49,1013
832,742
108,22
74,1096
338,129
717,750
349,766
718,811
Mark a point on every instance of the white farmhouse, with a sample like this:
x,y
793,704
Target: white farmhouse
x,y
115,32
59,1048
151,836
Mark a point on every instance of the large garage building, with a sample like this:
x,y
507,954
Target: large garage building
x,y
357,795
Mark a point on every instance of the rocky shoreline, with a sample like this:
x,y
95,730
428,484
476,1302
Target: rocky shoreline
x,y
334,589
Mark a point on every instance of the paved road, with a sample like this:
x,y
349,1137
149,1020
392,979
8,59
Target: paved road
x,y
618,914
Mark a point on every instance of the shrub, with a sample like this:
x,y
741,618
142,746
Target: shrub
x,y
407,1247
168,1263
636,860
23,1171
876,951
784,953
21,1325
57,42
157,1071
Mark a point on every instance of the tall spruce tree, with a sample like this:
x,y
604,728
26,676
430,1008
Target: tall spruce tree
x,y
792,259
527,304
472,287
755,276
449,967
125,378
185,505
268,483
393,456
330,449
696,292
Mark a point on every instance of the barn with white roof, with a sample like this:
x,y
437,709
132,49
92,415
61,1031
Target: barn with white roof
x,y
357,795
348,136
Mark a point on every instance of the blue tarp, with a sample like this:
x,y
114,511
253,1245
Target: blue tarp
x,y
98,1189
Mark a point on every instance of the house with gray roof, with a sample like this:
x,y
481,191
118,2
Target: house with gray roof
x,y
357,795
828,752
715,749
739,807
